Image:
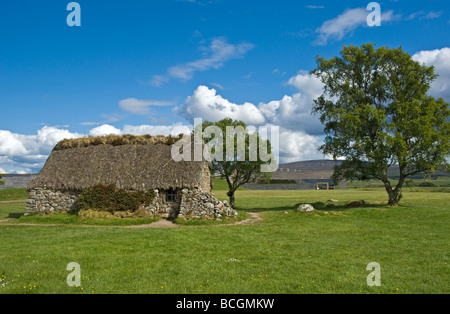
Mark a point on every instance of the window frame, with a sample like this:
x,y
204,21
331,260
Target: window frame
x,y
171,195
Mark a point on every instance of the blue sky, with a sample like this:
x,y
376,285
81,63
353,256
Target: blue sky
x,y
152,66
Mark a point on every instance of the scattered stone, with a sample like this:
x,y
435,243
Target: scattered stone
x,y
305,208
284,213
332,200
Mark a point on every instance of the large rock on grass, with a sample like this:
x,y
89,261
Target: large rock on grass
x,y
305,208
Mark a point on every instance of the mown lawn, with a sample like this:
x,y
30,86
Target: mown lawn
x,y
322,252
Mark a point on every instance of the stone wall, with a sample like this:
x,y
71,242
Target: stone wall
x,y
273,186
46,202
189,204
198,204
161,208
205,184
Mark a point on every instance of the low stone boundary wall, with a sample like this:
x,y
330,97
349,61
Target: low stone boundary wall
x,y
255,186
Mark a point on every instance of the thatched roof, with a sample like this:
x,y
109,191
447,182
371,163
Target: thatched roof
x,y
128,166
115,140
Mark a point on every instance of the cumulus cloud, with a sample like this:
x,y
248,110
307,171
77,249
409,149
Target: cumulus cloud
x,y
10,144
298,145
294,112
291,111
300,132
19,152
104,129
206,104
215,55
440,59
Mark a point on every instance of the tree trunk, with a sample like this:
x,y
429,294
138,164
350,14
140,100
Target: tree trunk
x,y
396,194
392,193
393,196
231,196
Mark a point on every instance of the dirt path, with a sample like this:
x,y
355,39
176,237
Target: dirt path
x,y
16,201
253,219
158,224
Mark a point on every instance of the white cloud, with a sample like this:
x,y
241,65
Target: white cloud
x,y
47,137
217,85
215,56
2,171
104,129
313,7
159,80
291,111
27,153
432,15
175,129
141,106
347,22
440,59
300,132
206,104
298,145
294,112
341,25
10,144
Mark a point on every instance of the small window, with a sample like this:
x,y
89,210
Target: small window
x,y
171,195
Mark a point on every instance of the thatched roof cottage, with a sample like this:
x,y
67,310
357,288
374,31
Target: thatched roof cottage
x,y
131,163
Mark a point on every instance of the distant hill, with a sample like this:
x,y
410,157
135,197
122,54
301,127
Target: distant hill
x,y
317,169
309,169
311,165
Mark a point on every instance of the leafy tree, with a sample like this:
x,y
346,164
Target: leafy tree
x,y
236,168
377,113
2,182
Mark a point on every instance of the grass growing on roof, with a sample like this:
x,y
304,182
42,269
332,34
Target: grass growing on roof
x,y
115,140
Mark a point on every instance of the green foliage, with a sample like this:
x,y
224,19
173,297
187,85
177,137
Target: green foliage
x,y
235,169
427,184
1,176
109,198
409,183
377,113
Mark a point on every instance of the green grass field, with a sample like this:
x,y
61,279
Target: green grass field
x,y
326,251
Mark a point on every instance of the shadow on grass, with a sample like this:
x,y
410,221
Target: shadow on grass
x,y
320,206
15,215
